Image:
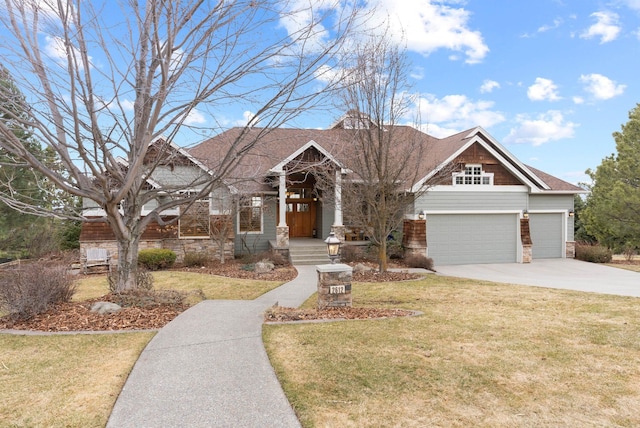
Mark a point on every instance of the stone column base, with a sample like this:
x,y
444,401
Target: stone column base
x,y
527,253
282,237
570,250
339,231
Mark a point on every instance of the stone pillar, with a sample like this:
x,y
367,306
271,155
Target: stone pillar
x,y
570,250
414,236
525,237
339,231
282,237
334,285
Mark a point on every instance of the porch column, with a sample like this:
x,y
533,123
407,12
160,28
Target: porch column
x,y
337,227
282,194
282,231
338,210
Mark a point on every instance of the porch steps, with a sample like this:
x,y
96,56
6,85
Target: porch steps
x,y
309,254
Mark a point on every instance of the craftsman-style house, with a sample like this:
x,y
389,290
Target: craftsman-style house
x,y
491,208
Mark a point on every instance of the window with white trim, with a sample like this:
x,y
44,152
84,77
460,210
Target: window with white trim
x,y
250,214
194,221
473,175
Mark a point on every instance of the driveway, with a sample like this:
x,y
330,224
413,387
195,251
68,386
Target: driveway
x,y
566,274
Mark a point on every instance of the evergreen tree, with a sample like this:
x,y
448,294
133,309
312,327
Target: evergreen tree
x,y
612,213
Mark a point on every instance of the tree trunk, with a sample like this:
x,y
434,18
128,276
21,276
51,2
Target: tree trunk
x,y
127,267
382,256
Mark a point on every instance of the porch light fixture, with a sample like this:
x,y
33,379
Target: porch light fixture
x,y
572,213
421,215
525,214
333,247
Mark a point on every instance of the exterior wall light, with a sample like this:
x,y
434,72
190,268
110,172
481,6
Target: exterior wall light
x,y
525,214
333,247
421,215
572,213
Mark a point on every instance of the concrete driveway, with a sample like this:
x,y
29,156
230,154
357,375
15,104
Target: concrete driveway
x,y
566,274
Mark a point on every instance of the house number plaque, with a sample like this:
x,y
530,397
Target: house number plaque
x,y
337,289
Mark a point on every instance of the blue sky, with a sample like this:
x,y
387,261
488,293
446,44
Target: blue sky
x,y
549,79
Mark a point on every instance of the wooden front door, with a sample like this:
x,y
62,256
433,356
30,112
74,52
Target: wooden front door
x,y
301,214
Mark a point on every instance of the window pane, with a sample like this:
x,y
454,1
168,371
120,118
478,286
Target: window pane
x,y
250,214
195,221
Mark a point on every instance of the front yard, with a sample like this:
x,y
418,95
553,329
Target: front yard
x,y
483,354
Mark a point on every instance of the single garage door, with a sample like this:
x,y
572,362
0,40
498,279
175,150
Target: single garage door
x,y
472,238
546,235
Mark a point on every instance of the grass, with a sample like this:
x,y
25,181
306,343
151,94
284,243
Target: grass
x,y
74,380
213,287
483,354
64,381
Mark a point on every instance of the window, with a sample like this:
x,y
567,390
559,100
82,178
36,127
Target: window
x,y
195,222
250,214
474,176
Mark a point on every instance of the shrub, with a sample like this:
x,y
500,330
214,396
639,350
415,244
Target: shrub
x,y
273,257
395,250
419,261
144,280
595,253
351,254
156,258
34,287
195,259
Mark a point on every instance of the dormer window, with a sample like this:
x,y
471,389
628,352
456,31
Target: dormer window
x,y
474,176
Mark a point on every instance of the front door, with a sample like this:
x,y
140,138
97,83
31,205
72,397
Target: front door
x,y
301,213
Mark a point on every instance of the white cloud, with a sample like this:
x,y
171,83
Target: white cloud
x,y
601,87
426,26
454,113
195,117
632,4
549,126
55,49
606,27
578,100
489,86
417,73
247,116
556,23
543,89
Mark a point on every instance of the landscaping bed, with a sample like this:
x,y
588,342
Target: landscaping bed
x,y
76,316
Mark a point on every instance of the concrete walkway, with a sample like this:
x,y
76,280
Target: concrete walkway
x,y
208,367
567,274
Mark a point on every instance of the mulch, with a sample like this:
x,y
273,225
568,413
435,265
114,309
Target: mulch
x,y
76,316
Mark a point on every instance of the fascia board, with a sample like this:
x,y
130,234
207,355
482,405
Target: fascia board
x,y
279,168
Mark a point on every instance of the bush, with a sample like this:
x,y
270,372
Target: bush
x,y
595,253
33,287
419,261
274,257
156,258
144,280
351,254
195,259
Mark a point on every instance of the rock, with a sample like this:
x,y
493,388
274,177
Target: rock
x,y
263,267
105,308
361,268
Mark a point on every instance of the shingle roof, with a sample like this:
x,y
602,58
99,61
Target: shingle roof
x,y
269,147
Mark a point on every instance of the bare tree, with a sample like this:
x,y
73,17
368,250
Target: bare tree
x,y
104,87
386,160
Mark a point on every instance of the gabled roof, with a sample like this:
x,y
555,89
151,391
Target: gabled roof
x,y
273,149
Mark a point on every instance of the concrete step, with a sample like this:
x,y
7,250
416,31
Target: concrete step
x,y
311,255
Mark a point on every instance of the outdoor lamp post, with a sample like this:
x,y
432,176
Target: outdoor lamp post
x,y
333,247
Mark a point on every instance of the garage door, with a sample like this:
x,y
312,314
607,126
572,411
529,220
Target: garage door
x,y
472,238
546,235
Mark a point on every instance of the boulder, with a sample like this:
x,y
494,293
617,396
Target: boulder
x,y
105,308
263,267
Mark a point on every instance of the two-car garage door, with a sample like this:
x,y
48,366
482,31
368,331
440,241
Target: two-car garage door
x,y
490,238
472,238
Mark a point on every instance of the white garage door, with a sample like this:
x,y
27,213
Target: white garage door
x,y
546,235
472,238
